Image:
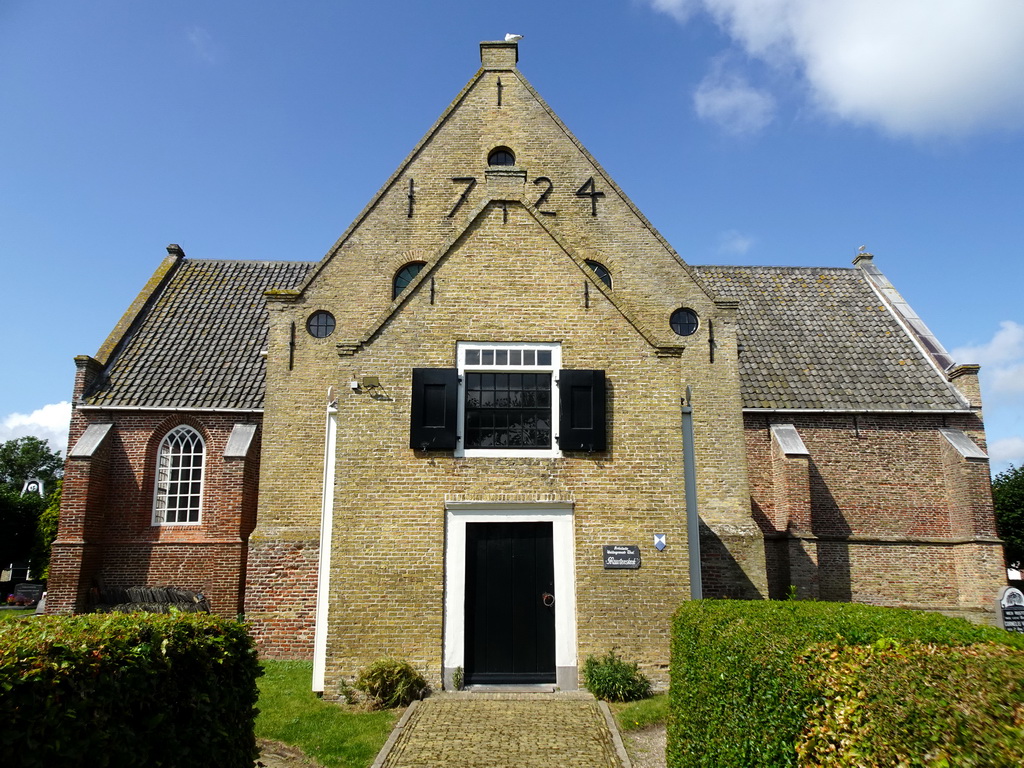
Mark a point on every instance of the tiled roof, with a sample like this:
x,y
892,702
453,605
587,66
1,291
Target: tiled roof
x,y
821,338
198,344
809,338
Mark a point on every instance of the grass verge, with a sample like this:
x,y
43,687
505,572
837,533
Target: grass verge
x,y
637,715
337,735
10,614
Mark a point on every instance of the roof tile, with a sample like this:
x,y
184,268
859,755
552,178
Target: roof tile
x,y
198,344
820,338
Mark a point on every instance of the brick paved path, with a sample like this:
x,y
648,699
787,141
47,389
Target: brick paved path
x,y
504,729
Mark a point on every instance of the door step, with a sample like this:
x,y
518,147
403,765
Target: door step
x,y
536,688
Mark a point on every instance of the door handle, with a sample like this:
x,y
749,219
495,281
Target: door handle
x,y
548,599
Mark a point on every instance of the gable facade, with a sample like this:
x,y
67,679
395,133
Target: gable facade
x,y
458,437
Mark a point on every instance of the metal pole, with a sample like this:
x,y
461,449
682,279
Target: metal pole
x,y
692,518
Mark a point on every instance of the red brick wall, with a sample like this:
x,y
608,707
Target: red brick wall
x,y
106,536
281,602
894,515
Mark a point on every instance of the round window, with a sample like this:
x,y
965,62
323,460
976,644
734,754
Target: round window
x,y
684,322
320,324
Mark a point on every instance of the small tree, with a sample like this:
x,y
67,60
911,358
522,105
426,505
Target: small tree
x,y
26,457
20,534
1008,498
19,517
46,532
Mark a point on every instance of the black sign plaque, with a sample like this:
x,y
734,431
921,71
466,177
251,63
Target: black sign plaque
x,y
1011,608
621,556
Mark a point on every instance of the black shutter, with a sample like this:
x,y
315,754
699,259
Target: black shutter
x,y
435,408
581,422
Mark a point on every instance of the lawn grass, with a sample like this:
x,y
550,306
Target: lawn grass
x,y
337,735
9,614
637,715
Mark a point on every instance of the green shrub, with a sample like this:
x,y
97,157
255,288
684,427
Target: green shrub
x,y
105,691
738,695
391,683
916,704
612,679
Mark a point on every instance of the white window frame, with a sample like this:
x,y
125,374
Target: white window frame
x,y
553,368
163,479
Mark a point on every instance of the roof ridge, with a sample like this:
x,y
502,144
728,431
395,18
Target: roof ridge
x,y
776,267
263,262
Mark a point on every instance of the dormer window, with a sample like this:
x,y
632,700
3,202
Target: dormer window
x,y
501,156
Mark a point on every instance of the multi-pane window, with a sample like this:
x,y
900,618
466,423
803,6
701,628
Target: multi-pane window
x,y
508,410
404,276
179,477
601,271
320,324
507,398
501,156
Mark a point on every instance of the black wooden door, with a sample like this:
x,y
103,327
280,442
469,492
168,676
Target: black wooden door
x,y
510,611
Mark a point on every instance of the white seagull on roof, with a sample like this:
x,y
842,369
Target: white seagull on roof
x,y
510,38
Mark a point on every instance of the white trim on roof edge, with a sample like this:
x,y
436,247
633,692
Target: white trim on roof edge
x,y
908,319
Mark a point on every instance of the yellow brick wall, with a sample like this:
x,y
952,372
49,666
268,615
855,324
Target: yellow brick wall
x,y
497,272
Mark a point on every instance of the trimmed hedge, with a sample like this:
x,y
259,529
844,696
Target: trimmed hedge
x,y
127,690
739,694
916,704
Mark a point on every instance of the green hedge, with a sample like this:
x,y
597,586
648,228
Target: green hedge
x,y
127,690
914,704
740,694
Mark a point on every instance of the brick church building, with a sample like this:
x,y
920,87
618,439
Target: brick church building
x,y
460,438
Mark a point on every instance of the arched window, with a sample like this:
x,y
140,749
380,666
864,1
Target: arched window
x,y
179,477
601,271
501,156
404,276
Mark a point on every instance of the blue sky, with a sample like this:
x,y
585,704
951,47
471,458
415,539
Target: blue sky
x,y
748,131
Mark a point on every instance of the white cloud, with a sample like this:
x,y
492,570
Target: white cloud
x,y
1009,450
1005,347
681,10
912,67
734,243
48,423
202,44
728,99
1002,390
1009,380
1001,358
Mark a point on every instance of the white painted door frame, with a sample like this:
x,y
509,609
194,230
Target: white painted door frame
x,y
560,515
